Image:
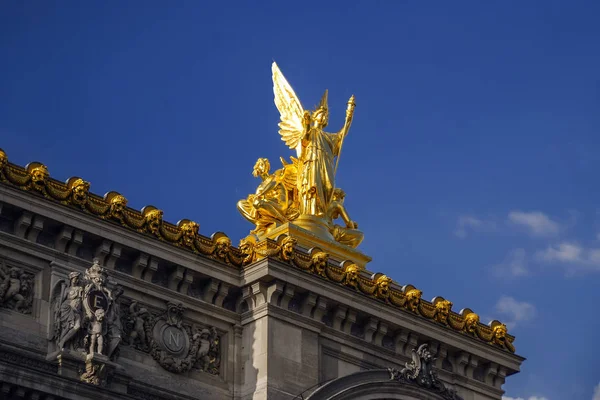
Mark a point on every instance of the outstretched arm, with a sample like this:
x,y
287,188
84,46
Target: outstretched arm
x,y
340,211
349,116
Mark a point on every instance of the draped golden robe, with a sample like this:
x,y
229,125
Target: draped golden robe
x,y
316,179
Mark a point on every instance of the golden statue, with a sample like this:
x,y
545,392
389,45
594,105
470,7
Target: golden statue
x,y
303,191
274,200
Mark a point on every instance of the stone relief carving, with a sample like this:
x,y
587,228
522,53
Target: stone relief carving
x,y
87,320
420,372
178,347
134,325
16,289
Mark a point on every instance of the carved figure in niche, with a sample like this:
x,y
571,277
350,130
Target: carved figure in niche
x,y
15,289
70,312
273,201
348,235
97,332
208,349
137,317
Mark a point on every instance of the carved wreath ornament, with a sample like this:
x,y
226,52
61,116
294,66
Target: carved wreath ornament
x,y
178,347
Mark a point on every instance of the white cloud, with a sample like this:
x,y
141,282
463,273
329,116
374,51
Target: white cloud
x,y
529,398
516,311
596,392
537,223
468,222
572,256
515,264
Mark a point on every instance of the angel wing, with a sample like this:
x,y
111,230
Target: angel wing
x,y
291,112
289,177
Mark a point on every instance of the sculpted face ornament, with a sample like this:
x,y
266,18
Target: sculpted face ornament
x,y
319,262
413,298
189,232
287,248
39,174
79,190
442,310
117,204
246,247
382,287
500,334
471,322
153,218
352,273
223,247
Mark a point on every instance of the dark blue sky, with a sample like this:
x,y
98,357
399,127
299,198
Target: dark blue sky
x,y
472,163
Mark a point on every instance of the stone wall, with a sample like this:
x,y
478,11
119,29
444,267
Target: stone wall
x,y
280,331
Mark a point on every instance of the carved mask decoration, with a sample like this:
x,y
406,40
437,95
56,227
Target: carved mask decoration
x,y
79,190
287,248
189,232
319,262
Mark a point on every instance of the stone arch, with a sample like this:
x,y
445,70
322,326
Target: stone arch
x,y
371,385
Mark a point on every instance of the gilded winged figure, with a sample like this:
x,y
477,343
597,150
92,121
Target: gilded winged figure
x,y
316,149
306,186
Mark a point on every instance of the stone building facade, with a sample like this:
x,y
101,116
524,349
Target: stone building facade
x,y
184,316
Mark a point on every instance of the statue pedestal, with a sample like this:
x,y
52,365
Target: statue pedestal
x,y
318,236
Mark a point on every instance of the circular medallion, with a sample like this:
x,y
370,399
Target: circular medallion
x,y
97,299
174,339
